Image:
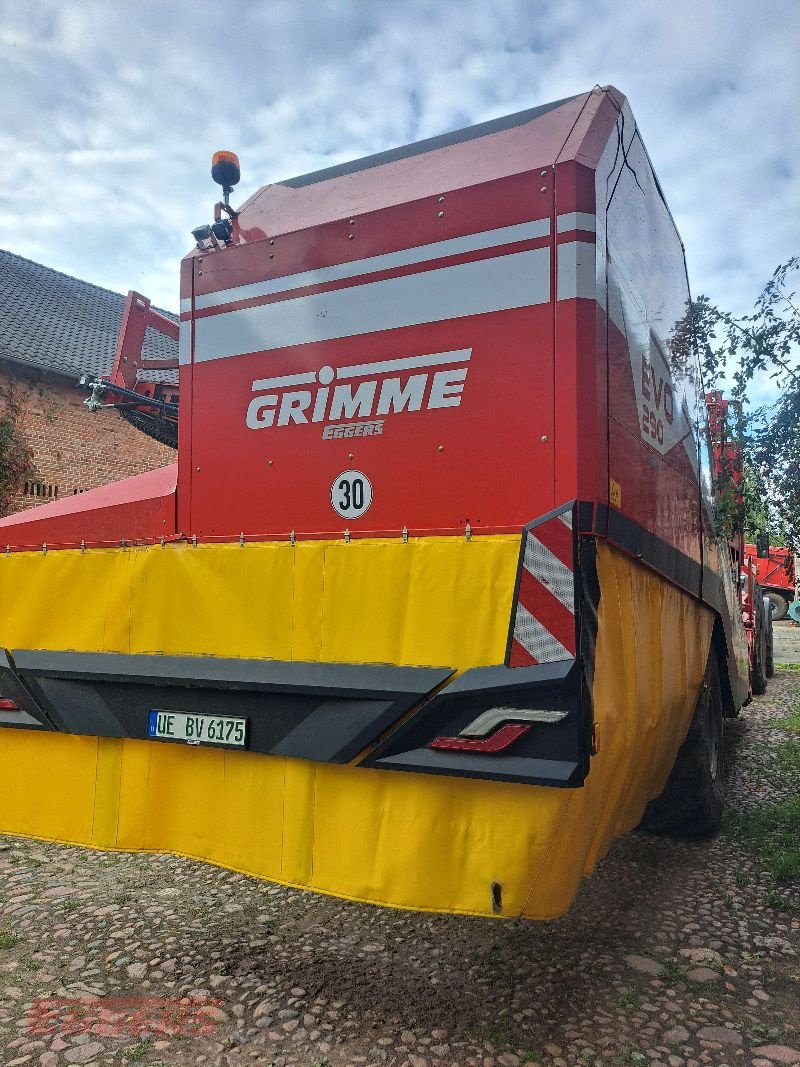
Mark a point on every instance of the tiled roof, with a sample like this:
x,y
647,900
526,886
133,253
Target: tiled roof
x,y
61,324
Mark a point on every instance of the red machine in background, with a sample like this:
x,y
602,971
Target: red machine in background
x,y
776,574
144,389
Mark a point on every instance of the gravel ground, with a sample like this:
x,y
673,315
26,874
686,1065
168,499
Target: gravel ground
x,y
675,953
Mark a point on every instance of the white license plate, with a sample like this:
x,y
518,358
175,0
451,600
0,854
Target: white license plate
x,y
197,729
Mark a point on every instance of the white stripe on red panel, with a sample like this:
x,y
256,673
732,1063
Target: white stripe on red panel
x,y
576,220
575,276
473,242
516,280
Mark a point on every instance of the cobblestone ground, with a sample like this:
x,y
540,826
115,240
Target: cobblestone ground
x,y
675,953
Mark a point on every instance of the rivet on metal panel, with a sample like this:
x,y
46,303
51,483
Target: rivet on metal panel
x,y
194,540
272,242
543,189
352,222
269,462
543,173
441,199
241,539
405,535
468,532
544,438
441,215
347,537
440,448
351,455
350,237
197,468
292,538
272,255
44,548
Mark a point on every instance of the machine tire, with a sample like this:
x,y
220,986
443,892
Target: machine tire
x,y
693,798
769,655
780,605
758,681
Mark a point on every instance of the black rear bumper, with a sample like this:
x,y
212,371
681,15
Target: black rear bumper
x,y
327,712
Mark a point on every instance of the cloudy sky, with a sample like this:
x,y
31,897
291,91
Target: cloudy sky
x,y
113,108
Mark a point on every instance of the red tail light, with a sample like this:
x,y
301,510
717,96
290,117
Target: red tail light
x,y
8,705
499,740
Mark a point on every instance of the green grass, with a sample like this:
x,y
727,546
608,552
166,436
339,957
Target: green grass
x,y
630,999
742,879
778,901
773,834
791,724
70,904
7,940
787,754
787,666
499,1035
761,1034
136,1053
672,972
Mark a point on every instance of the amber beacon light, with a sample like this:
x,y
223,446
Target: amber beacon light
x,y
225,170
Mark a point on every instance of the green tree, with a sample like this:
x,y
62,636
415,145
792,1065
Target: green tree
x,y
16,457
767,341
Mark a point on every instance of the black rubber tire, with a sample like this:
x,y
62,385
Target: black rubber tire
x,y
759,680
693,798
780,605
769,654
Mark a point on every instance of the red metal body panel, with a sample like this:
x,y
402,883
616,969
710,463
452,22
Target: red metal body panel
x,y
139,508
488,462
281,209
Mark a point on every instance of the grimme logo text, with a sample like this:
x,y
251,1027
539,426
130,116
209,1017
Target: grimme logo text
x,y
364,391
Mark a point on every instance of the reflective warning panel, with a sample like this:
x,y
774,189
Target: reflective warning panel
x,y
544,611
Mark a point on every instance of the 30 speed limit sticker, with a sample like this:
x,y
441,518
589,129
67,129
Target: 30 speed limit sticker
x,y
351,494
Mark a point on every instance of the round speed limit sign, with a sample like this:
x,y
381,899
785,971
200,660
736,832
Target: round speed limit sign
x,y
351,494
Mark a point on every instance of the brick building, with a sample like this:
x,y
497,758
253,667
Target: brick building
x,y
53,328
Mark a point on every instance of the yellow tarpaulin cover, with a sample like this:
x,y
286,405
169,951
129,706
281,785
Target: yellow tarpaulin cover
x,y
407,840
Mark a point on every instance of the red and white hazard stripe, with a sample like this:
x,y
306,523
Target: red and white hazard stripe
x,y
544,620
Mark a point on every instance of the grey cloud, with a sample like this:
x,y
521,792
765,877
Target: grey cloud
x,y
114,109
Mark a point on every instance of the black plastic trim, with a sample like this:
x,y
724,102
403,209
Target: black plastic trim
x,y
30,716
550,754
689,575
328,712
657,553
